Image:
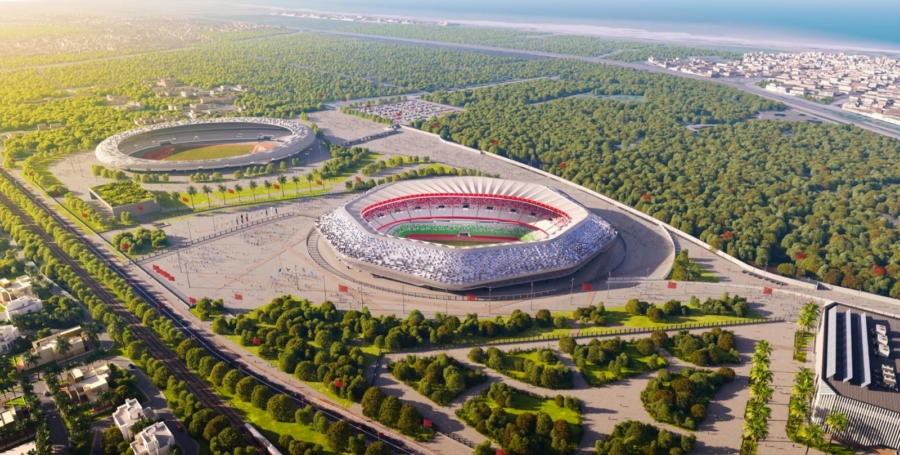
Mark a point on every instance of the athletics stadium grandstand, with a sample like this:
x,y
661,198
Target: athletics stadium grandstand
x,y
197,145
462,233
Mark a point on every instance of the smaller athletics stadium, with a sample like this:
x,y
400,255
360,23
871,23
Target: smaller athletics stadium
x,y
463,233
197,145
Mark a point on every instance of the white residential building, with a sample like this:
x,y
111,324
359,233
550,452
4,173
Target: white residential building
x,y
21,305
86,385
8,335
129,413
153,440
11,290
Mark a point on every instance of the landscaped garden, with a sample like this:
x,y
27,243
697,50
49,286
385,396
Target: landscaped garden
x,y
122,192
637,438
538,367
440,378
681,398
524,423
709,348
604,361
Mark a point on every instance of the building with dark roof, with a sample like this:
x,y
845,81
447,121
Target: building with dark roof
x,y
857,358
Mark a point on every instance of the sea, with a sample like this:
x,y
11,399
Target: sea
x,y
872,23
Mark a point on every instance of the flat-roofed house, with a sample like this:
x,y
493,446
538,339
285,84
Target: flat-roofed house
x,y
153,440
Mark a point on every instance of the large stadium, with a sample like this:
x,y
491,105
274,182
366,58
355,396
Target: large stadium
x,y
463,233
210,144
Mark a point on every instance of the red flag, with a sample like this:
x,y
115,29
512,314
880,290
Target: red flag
x,y
238,297
140,208
171,278
230,191
426,423
192,300
672,285
586,287
801,255
342,288
877,270
256,341
436,125
276,186
358,178
318,182
184,199
83,215
470,297
767,291
155,267
562,165
727,235
645,197
338,383
495,142
124,246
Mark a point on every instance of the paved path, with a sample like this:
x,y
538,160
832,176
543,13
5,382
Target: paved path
x,y
59,434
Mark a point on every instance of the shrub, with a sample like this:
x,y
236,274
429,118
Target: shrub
x,y
281,408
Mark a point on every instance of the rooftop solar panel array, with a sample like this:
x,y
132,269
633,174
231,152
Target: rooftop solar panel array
x,y
848,339
831,366
864,342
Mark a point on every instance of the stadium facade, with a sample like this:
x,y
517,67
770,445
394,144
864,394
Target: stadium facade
x,y
856,364
125,150
562,234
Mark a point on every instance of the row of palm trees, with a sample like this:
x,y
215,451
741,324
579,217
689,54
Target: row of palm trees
x,y
758,412
806,321
800,409
238,188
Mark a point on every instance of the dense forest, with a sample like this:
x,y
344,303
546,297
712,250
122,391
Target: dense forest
x,y
585,46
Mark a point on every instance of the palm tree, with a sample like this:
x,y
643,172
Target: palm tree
x,y
309,179
760,374
237,189
282,179
253,187
761,392
758,410
756,430
798,409
206,190
192,192
31,358
296,180
807,318
814,436
222,189
92,331
763,346
176,196
62,346
836,422
268,186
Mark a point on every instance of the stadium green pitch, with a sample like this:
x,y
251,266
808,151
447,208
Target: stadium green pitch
x,y
463,234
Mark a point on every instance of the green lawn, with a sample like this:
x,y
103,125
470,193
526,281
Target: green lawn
x,y
526,403
269,427
509,360
595,375
617,317
318,386
19,400
210,152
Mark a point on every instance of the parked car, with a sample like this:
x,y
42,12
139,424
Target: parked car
x,y
179,427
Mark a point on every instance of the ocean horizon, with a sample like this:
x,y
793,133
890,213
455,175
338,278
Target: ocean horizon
x,y
864,23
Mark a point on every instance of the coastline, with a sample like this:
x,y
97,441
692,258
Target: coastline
x,y
748,39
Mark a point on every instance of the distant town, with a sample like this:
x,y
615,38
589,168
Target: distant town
x,y
357,18
871,84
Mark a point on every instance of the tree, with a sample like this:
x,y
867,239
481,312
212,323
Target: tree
x,y
281,408
231,379
296,181
192,191
389,413
62,346
215,426
237,190
222,189
338,435
260,396
227,440
378,448
199,420
814,436
268,186
309,179
562,431
837,422
206,191
484,448
282,180
111,440
567,344
253,187
217,375
410,418
371,402
245,388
